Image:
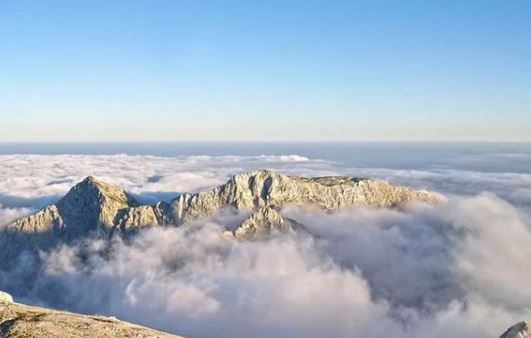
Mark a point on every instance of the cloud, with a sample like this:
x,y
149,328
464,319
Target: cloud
x,y
418,272
8,214
194,281
491,258
36,180
454,270
406,256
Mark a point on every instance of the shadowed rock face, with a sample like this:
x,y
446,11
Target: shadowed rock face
x,y
95,205
17,320
519,330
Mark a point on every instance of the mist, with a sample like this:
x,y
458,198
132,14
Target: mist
x,y
452,270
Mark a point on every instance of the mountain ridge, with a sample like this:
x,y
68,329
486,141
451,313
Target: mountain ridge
x,y
93,205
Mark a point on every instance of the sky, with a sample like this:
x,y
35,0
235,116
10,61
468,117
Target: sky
x,y
108,71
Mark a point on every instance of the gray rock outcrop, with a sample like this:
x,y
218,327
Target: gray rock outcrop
x,y
519,330
264,223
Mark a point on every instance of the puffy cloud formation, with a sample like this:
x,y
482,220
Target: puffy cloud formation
x,y
456,270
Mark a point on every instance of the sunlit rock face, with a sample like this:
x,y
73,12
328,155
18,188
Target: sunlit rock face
x,y
93,205
268,188
18,320
519,330
143,216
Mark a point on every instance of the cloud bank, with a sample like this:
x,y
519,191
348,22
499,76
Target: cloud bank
x,y
458,270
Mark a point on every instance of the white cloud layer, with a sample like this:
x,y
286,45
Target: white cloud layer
x,y
458,270
35,180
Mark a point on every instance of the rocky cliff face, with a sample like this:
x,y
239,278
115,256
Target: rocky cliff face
x,y
519,330
17,320
95,205
265,188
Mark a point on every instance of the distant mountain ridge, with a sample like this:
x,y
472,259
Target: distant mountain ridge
x,y
93,205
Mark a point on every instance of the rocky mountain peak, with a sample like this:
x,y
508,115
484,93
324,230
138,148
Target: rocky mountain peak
x,y
95,205
89,205
91,179
91,187
93,202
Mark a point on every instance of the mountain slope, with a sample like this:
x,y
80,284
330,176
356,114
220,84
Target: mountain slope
x,y
263,223
18,320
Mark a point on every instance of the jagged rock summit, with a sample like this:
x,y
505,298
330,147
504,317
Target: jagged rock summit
x,y
89,205
18,320
519,330
95,205
265,188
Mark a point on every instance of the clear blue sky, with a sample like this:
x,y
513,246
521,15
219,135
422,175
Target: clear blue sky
x,y
265,70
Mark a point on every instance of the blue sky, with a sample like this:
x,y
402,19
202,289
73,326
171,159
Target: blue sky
x,y
265,70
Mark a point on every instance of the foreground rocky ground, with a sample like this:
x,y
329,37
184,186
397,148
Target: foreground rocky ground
x,y
18,320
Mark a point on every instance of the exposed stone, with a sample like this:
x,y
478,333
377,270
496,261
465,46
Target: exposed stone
x,y
89,205
5,297
143,216
267,188
17,320
264,222
519,330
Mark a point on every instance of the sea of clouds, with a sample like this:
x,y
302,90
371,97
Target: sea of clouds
x,y
456,270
